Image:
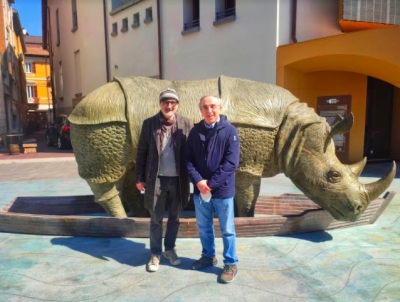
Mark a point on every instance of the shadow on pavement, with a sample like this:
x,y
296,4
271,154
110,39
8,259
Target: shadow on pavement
x,y
316,237
119,249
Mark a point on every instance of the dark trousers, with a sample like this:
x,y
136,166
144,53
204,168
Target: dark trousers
x,y
169,198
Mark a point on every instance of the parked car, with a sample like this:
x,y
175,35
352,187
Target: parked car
x,y
58,133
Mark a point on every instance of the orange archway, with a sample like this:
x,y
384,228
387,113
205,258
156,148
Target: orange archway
x,y
340,65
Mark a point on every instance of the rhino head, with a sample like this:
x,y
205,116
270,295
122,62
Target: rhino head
x,y
308,158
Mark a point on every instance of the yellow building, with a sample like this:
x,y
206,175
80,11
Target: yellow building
x,y
357,71
38,85
18,73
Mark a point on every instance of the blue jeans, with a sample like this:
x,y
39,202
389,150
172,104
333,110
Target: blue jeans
x,y
204,217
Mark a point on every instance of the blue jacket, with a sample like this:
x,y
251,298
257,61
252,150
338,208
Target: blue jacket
x,y
213,155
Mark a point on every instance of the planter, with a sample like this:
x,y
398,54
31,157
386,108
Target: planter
x,y
13,149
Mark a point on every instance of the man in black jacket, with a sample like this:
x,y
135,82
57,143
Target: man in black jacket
x,y
212,158
162,175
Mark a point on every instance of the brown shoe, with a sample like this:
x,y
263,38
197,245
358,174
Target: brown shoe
x,y
172,256
204,262
229,273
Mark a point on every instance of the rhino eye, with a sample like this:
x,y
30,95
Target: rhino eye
x,y
334,176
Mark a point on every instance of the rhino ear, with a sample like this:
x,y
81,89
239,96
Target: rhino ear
x,y
342,125
339,125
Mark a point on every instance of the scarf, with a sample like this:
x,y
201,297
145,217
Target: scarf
x,y
167,125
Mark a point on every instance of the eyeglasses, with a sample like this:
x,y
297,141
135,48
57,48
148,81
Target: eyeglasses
x,y
212,107
166,103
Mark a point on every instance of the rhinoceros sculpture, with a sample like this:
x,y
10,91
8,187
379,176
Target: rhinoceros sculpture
x,y
278,134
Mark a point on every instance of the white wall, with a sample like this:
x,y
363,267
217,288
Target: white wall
x,y
314,19
285,22
88,39
317,19
243,48
134,52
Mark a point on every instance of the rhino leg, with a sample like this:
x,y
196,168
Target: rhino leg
x,y
247,191
256,159
132,196
108,196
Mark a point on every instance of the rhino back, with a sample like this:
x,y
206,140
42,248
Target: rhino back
x,y
245,102
254,103
103,105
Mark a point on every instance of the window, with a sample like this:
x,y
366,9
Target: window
x,y
28,68
74,16
124,25
58,28
31,93
225,11
149,15
114,31
136,20
191,16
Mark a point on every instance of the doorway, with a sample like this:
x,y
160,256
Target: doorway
x,y
378,119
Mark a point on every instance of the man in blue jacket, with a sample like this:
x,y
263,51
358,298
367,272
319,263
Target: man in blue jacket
x,y
212,158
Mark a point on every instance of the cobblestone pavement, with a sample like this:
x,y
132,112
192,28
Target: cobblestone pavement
x,y
354,264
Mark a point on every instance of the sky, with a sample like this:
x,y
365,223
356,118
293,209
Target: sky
x,y
30,15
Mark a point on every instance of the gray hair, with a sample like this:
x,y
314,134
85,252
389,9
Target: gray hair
x,y
212,95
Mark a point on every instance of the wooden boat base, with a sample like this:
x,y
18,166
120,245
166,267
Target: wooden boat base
x,y
82,216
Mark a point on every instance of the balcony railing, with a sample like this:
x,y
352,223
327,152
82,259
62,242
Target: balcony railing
x,y
226,13
192,24
383,12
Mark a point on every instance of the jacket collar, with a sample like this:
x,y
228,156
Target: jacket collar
x,y
220,124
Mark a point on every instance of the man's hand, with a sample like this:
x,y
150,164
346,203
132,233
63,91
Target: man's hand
x,y
203,187
141,186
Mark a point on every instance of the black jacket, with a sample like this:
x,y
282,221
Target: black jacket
x,y
147,159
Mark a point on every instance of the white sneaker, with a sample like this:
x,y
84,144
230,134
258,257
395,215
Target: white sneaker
x,y
172,257
152,266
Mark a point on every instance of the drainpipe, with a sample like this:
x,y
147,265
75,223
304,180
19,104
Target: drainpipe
x,y
106,39
49,45
294,20
160,71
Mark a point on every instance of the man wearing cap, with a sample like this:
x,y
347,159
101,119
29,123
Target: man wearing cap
x,y
162,174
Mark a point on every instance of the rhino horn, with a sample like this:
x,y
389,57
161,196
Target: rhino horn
x,y
342,125
357,168
376,188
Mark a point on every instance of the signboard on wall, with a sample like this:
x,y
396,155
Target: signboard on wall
x,y
329,107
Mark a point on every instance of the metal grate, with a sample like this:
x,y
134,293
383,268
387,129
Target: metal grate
x,y
226,13
192,24
374,11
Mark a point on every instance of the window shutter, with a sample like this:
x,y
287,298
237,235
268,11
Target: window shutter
x,y
34,68
35,91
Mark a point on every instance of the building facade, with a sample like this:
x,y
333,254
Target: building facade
x,y
192,40
74,35
18,75
38,84
12,80
359,70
